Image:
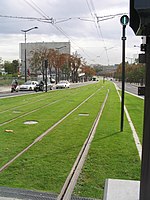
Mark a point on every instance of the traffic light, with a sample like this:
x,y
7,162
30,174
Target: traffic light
x,y
140,16
124,20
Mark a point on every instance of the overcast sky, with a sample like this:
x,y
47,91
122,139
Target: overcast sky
x,y
74,21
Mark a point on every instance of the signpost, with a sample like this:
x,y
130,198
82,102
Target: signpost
x,y
124,21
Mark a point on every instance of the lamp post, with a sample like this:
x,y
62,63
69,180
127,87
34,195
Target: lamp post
x,y
25,53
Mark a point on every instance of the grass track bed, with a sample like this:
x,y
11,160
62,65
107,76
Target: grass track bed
x,y
112,154
47,164
54,151
135,108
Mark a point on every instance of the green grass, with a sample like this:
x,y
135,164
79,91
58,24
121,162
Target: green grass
x,y
112,154
47,164
24,135
135,108
68,137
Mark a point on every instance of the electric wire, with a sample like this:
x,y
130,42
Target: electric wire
x,y
36,8
52,21
54,24
97,25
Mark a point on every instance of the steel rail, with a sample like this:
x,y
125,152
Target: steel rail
x,y
22,105
71,180
44,134
28,113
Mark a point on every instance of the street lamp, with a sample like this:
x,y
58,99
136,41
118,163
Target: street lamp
x,y
25,53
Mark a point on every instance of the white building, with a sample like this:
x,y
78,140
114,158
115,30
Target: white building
x,y
62,47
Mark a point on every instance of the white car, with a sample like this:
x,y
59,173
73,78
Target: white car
x,y
29,85
62,84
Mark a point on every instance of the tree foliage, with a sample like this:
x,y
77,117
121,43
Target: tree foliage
x,y
11,67
89,72
134,73
66,66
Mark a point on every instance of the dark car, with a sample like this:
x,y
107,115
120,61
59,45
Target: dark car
x,y
41,86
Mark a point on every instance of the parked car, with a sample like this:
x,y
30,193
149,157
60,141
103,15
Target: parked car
x,y
29,85
62,84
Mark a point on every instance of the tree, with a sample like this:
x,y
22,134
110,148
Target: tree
x,y
89,72
37,59
65,65
134,73
74,65
11,67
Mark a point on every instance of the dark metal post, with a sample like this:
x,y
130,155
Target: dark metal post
x,y
46,66
145,168
43,71
123,77
25,59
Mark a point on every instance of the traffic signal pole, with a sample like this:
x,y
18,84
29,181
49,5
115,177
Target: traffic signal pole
x,y
124,21
145,167
123,77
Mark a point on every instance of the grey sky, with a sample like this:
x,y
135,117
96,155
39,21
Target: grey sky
x,y
97,42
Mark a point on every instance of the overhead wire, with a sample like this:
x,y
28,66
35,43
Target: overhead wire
x,y
54,24
52,21
92,10
36,8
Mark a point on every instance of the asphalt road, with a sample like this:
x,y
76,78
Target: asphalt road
x,y
5,92
132,88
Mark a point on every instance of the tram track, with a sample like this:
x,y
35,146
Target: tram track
x,y
32,111
71,180
20,106
45,133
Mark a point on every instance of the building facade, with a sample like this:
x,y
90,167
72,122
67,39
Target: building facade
x,y
62,47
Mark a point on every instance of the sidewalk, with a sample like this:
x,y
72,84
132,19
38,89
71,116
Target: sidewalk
x,y
4,89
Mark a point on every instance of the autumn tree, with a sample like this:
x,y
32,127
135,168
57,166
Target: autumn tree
x,y
134,73
65,65
89,72
37,60
74,65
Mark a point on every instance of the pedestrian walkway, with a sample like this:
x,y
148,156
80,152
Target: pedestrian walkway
x,y
4,88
